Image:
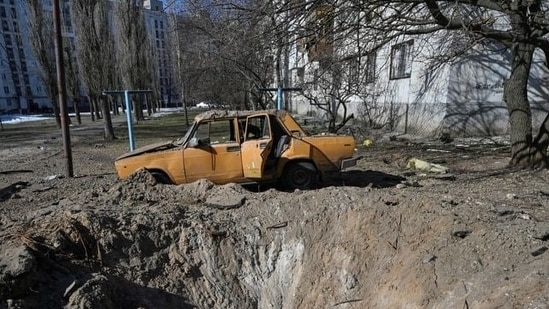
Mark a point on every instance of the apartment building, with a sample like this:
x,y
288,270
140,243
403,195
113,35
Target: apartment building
x,y
158,27
21,86
22,89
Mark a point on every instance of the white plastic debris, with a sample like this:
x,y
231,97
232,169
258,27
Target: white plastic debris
x,y
425,166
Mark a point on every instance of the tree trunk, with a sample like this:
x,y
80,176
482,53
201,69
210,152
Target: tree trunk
x,y
138,108
97,108
331,123
147,104
55,107
515,95
76,103
539,155
115,101
92,109
107,122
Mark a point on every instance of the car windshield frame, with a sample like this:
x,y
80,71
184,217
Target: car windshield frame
x,y
185,138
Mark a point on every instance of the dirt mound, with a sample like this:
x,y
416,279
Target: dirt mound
x,y
379,237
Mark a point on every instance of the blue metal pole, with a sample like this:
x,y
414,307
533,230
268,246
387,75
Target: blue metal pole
x,y
129,120
279,98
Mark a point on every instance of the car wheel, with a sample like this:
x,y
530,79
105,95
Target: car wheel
x,y
161,178
301,175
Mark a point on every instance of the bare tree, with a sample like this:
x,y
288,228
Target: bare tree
x,y
224,52
520,26
43,47
331,94
308,29
73,79
135,56
95,47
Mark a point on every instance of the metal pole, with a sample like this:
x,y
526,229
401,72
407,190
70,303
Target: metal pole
x,y
62,91
129,120
279,98
406,119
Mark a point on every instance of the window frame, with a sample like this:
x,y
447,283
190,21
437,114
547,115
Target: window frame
x,y
401,60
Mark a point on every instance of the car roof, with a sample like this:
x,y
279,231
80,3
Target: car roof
x,y
220,114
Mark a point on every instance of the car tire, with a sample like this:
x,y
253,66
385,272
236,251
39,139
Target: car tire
x,y
161,178
300,175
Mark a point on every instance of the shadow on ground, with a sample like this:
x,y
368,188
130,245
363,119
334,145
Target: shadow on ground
x,y
364,179
361,179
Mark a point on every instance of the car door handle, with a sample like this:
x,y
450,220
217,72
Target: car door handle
x,y
262,145
233,148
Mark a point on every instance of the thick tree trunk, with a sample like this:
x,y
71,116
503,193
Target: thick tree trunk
x,y
515,95
138,108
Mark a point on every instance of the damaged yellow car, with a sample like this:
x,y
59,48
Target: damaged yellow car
x,y
244,147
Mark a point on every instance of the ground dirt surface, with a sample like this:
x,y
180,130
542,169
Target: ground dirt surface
x,y
384,235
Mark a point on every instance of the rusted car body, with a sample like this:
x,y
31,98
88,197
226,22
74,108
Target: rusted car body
x,y
243,147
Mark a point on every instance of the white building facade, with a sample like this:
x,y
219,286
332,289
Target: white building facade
x,y
398,86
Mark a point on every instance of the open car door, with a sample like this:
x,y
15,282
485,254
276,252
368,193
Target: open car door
x,y
257,145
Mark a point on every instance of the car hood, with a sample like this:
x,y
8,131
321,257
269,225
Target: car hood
x,y
147,149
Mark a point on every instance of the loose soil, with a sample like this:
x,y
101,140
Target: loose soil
x,y
383,235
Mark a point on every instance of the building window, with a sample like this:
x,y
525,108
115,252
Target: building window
x,y
401,62
300,76
353,74
6,89
371,67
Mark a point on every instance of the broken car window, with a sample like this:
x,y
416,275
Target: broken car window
x,y
217,132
